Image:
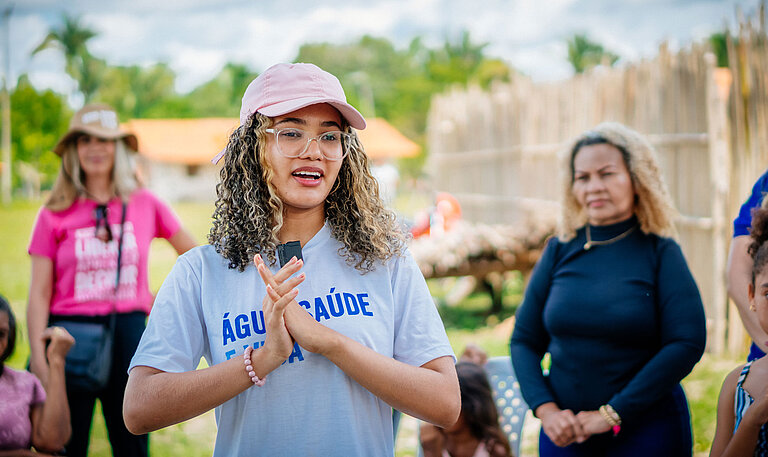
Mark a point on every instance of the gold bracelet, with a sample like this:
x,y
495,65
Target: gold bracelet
x,y
612,412
604,412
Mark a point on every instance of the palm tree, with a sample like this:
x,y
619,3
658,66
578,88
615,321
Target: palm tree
x,y
71,39
584,53
456,62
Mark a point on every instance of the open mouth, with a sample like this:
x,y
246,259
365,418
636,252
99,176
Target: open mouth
x,y
304,174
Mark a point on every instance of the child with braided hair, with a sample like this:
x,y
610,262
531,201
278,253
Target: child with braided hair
x,y
742,409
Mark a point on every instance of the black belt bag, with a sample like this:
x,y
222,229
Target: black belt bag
x,y
89,362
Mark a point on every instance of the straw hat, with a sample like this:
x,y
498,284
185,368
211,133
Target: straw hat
x,y
98,120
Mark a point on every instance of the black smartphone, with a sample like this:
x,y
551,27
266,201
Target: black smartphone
x,y
287,251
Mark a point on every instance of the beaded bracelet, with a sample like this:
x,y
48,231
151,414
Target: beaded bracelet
x,y
612,412
612,417
249,368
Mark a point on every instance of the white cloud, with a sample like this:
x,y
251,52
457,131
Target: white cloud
x,y
546,62
196,37
54,80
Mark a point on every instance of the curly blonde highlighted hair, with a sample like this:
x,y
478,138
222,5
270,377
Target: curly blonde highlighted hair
x,y
249,214
653,205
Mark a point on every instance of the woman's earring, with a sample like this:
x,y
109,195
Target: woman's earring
x,y
752,307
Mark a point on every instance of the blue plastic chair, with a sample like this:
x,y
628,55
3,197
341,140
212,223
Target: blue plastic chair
x,y
509,401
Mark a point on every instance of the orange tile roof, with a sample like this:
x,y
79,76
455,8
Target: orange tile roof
x,y
381,140
186,141
196,141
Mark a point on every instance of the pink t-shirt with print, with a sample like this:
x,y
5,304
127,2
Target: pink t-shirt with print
x,y
85,267
19,391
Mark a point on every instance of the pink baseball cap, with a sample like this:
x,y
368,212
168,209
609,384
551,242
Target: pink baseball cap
x,y
283,88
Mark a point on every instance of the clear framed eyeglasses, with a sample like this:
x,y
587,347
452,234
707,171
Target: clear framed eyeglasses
x,y
291,143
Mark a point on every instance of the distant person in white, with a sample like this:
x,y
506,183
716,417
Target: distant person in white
x,y
331,342
388,177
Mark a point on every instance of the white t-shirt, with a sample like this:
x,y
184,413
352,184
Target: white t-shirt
x,y
308,405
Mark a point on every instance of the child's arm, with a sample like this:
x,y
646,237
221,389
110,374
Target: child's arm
x,y
725,414
51,428
431,440
743,442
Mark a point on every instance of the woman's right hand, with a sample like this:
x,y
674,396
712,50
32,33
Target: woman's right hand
x,y
278,343
561,425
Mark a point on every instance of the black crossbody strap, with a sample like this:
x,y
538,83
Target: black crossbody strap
x,y
120,248
113,313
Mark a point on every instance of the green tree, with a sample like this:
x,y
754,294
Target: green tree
x,y
71,39
134,91
38,119
221,96
719,43
456,62
584,53
368,70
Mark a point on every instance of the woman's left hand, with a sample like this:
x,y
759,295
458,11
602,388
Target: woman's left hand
x,y
592,422
303,328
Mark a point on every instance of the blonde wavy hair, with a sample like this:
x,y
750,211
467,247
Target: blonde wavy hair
x,y
70,182
653,205
249,214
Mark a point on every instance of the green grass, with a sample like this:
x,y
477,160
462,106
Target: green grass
x,y
465,323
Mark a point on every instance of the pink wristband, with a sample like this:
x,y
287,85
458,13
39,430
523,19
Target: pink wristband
x,y
249,368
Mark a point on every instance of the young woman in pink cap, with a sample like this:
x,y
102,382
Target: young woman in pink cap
x,y
311,357
89,250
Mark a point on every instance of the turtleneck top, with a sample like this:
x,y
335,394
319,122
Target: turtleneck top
x,y
623,322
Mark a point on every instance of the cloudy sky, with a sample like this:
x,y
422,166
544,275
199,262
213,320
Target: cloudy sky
x,y
196,37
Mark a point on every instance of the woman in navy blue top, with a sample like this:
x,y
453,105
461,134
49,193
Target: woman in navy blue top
x,y
614,304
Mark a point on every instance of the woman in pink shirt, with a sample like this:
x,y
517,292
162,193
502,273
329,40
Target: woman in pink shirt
x,y
89,250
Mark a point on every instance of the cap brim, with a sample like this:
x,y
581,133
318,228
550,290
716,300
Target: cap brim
x,y
129,138
355,119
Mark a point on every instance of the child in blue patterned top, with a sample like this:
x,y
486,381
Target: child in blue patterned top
x,y
742,410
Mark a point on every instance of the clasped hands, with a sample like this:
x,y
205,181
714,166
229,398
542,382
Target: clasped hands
x,y
563,427
285,320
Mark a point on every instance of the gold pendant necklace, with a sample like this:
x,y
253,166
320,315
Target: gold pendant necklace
x,y
588,245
